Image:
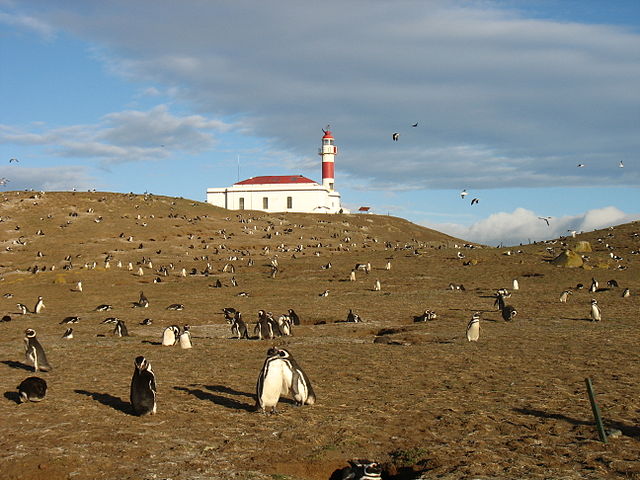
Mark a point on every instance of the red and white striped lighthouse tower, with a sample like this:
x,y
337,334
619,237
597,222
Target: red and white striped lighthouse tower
x,y
328,153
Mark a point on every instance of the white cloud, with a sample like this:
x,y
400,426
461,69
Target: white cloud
x,y
524,226
29,23
127,136
48,178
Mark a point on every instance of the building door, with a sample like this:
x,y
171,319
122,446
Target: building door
x,y
289,202
265,203
241,203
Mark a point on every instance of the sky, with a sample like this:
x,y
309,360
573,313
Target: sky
x,y
175,97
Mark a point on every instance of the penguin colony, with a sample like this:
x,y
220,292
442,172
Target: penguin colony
x,y
279,369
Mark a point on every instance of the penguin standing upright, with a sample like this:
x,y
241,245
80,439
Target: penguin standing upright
x,y
238,326
294,317
275,379
301,388
39,305
170,335
34,353
516,285
32,389
143,388
120,329
473,328
596,314
626,293
185,338
565,295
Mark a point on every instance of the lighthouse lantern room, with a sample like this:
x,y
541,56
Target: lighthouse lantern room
x,y
285,193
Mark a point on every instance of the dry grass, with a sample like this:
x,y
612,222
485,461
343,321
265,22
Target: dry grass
x,y
419,398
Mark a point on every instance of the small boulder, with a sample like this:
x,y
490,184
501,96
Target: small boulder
x,y
568,258
583,247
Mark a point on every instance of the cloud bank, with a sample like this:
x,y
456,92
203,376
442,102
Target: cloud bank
x,y
525,226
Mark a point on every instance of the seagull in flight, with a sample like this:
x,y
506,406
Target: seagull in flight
x,y
4,181
11,160
475,200
580,165
463,193
415,124
395,136
546,219
621,164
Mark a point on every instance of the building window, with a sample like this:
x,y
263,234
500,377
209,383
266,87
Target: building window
x,y
241,203
265,203
330,185
289,202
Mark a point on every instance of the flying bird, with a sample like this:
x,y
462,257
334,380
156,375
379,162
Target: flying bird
x,y
4,181
546,219
395,136
11,160
474,201
415,124
621,165
463,194
580,165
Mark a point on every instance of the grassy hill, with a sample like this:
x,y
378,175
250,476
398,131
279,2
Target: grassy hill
x,y
417,396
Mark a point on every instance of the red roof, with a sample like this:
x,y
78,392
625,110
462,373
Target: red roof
x,y
364,209
275,179
327,134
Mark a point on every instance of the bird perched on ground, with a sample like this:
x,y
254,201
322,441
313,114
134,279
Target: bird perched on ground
x,y
395,136
32,389
565,295
473,328
34,353
143,388
596,314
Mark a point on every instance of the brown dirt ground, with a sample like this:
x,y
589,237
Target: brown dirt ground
x,y
418,397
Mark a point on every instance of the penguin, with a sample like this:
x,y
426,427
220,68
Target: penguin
x,y
301,388
120,329
294,317
594,286
108,320
170,335
78,287
68,320
362,470
473,328
499,301
103,308
143,302
68,334
238,326
376,286
626,293
39,305
284,324
516,285
32,389
146,321
23,308
275,378
324,294
176,307
388,266
143,388
508,312
185,338
34,353
352,276
596,314
6,318
612,284
565,295
427,315
353,317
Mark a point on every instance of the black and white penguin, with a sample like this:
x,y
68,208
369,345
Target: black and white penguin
x,y
596,314
185,338
294,316
170,335
274,380
626,293
353,317
564,296
23,308
68,320
285,325
176,307
143,302
508,313
34,353
146,321
68,334
103,308
362,470
594,286
238,326
301,388
108,320
120,329
39,305
143,388
32,389
473,328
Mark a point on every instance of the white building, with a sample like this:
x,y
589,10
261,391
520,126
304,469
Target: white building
x,y
285,193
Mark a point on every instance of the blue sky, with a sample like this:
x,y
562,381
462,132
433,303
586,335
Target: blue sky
x,y
165,96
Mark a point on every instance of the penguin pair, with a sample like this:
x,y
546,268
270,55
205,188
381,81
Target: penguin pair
x,y
281,374
426,316
143,388
171,335
120,329
34,353
266,327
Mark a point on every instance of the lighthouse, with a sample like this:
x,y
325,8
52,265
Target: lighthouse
x,y
328,152
285,193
